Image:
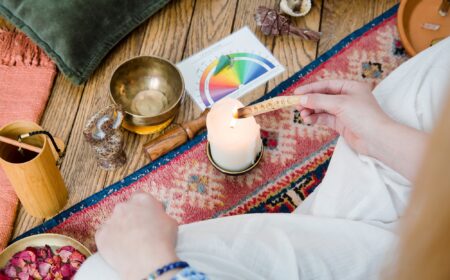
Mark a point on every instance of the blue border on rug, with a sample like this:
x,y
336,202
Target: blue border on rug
x,y
97,197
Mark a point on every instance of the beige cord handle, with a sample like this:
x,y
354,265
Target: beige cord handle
x,y
267,106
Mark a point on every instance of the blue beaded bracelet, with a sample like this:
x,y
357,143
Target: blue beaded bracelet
x,y
166,268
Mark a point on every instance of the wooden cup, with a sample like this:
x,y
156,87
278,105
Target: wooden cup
x,y
35,177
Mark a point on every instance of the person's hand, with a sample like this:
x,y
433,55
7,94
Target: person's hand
x,y
348,107
138,238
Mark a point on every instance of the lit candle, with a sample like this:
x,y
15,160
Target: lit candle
x,y
234,143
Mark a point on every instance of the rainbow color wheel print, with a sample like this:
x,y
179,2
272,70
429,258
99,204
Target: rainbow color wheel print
x,y
245,68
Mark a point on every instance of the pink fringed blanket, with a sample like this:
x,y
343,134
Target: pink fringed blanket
x,y
26,78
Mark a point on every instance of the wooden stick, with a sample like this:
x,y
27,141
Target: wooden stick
x,y
267,106
20,144
175,137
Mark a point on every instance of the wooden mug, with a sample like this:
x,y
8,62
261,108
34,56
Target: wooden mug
x,y
35,177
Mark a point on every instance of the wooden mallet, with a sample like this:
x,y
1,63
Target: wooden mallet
x,y
175,137
20,144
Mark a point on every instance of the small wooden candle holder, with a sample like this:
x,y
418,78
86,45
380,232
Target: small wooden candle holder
x,y
234,173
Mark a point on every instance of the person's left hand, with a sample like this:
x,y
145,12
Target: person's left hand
x,y
138,238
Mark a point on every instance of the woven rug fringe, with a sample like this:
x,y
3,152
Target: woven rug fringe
x,y
18,50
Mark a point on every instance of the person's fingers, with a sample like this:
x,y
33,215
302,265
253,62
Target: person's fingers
x,y
142,197
306,112
328,103
324,119
324,87
100,236
120,209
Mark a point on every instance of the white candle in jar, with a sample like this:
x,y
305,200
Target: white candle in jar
x,y
234,143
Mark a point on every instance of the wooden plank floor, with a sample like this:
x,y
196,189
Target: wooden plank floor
x,y
179,30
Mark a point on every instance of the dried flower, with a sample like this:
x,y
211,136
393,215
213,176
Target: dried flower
x,y
272,22
42,263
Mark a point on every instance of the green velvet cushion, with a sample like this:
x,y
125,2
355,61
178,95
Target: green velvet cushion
x,y
77,34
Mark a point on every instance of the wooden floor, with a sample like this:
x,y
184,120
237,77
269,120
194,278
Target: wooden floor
x,y
179,30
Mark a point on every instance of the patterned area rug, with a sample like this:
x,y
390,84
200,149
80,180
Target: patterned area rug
x,y
294,163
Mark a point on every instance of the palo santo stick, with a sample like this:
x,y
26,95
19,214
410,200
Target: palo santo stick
x,y
20,144
267,106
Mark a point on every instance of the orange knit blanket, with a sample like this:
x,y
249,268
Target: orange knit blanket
x,y
26,79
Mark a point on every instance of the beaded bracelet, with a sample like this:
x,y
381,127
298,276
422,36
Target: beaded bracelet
x,y
166,268
189,273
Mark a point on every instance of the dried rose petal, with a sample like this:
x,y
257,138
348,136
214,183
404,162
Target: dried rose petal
x,y
11,271
18,262
66,270
3,276
29,255
58,276
24,276
76,265
49,260
44,268
44,252
34,273
64,254
42,263
77,256
56,261
65,248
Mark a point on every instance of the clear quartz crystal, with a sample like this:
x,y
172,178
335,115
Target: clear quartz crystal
x,y
103,133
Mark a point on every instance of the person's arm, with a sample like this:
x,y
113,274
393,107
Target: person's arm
x,y
140,238
400,147
350,108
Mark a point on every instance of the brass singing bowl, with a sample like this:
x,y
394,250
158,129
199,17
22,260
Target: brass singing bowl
x,y
144,73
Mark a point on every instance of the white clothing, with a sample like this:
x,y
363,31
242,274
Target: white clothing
x,y
344,230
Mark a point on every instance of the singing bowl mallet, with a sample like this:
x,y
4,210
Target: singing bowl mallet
x,y
175,137
20,145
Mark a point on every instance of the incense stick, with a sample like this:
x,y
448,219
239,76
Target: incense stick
x,y
20,144
267,106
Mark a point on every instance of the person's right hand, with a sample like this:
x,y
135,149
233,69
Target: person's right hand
x,y
138,238
348,107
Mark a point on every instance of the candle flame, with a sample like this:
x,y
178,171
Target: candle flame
x,y
233,123
235,113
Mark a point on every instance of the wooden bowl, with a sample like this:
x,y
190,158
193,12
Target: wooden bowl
x,y
55,241
412,14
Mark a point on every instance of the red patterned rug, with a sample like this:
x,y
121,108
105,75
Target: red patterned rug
x,y
294,163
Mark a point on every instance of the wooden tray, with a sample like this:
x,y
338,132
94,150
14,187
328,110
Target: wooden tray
x,y
412,14
55,241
